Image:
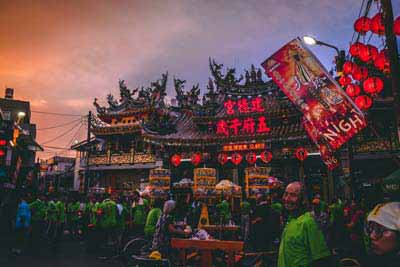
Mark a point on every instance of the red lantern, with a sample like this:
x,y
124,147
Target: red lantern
x,y
222,158
364,102
176,160
381,61
373,85
396,26
368,52
301,153
196,159
266,156
377,25
360,74
344,80
251,158
348,67
362,25
353,90
355,49
236,158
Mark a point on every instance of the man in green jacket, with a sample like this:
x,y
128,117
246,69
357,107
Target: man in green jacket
x,y
38,210
139,212
152,218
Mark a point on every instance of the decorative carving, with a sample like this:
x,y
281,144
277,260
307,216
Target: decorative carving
x,y
100,109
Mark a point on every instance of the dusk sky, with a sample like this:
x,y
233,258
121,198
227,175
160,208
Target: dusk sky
x,y
60,55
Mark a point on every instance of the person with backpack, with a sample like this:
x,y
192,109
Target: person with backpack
x,y
22,225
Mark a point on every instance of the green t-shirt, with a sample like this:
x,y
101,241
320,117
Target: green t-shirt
x,y
73,209
139,212
224,210
276,206
109,219
336,212
151,222
93,208
38,209
51,211
302,243
60,206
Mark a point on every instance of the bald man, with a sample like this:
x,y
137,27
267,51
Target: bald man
x,y
302,242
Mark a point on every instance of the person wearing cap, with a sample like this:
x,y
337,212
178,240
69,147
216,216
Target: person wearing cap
x,y
383,229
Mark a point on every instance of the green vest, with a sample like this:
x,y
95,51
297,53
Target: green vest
x,y
151,221
139,212
38,210
109,219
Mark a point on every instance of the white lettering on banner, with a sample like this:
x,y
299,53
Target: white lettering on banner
x,y
344,126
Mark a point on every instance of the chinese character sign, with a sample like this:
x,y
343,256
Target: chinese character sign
x,y
329,112
247,125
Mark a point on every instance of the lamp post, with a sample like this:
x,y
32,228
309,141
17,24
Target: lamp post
x,y
310,40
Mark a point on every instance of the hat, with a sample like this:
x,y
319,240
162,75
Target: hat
x,y
387,214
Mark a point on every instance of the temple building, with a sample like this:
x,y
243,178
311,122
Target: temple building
x,y
240,121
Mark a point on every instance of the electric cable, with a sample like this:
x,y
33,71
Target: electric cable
x,y
61,135
58,125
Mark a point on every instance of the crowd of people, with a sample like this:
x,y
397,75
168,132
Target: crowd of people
x,y
303,231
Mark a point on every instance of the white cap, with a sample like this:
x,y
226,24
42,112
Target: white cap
x,y
387,215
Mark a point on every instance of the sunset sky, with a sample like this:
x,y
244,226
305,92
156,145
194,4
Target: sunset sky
x,y
60,55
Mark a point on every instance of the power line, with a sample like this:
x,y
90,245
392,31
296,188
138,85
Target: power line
x,y
56,147
58,125
64,133
57,114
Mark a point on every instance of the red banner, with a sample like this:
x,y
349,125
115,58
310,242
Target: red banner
x,y
331,116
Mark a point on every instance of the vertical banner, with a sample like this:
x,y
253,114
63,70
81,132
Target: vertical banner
x,y
331,117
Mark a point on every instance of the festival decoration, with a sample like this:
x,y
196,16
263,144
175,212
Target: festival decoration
x,y
159,182
364,102
373,85
204,181
196,159
256,180
266,156
301,153
344,80
377,25
368,52
251,158
236,158
360,73
381,61
353,90
355,49
396,26
176,160
314,92
362,25
222,158
348,67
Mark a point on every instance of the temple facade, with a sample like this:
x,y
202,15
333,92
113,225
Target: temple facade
x,y
240,121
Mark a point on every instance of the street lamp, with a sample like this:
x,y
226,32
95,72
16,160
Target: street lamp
x,y
310,40
21,115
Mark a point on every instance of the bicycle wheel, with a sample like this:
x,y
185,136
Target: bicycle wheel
x,y
136,247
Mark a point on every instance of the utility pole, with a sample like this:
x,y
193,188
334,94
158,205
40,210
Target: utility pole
x,y
393,55
87,179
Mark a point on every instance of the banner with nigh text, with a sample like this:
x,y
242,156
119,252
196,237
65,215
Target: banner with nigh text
x,y
330,117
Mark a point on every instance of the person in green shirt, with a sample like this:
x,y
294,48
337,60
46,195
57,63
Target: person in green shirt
x,y
139,212
109,219
245,209
72,215
152,218
38,210
302,243
224,210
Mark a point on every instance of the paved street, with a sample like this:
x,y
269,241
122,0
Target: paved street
x,y
71,254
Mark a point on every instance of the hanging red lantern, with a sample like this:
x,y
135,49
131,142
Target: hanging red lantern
x,y
301,153
377,25
355,49
251,158
368,52
196,159
344,80
381,61
222,158
176,160
373,85
353,90
348,67
266,156
362,25
396,26
361,73
363,102
236,158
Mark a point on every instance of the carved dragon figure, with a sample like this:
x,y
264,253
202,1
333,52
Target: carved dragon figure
x,y
100,109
